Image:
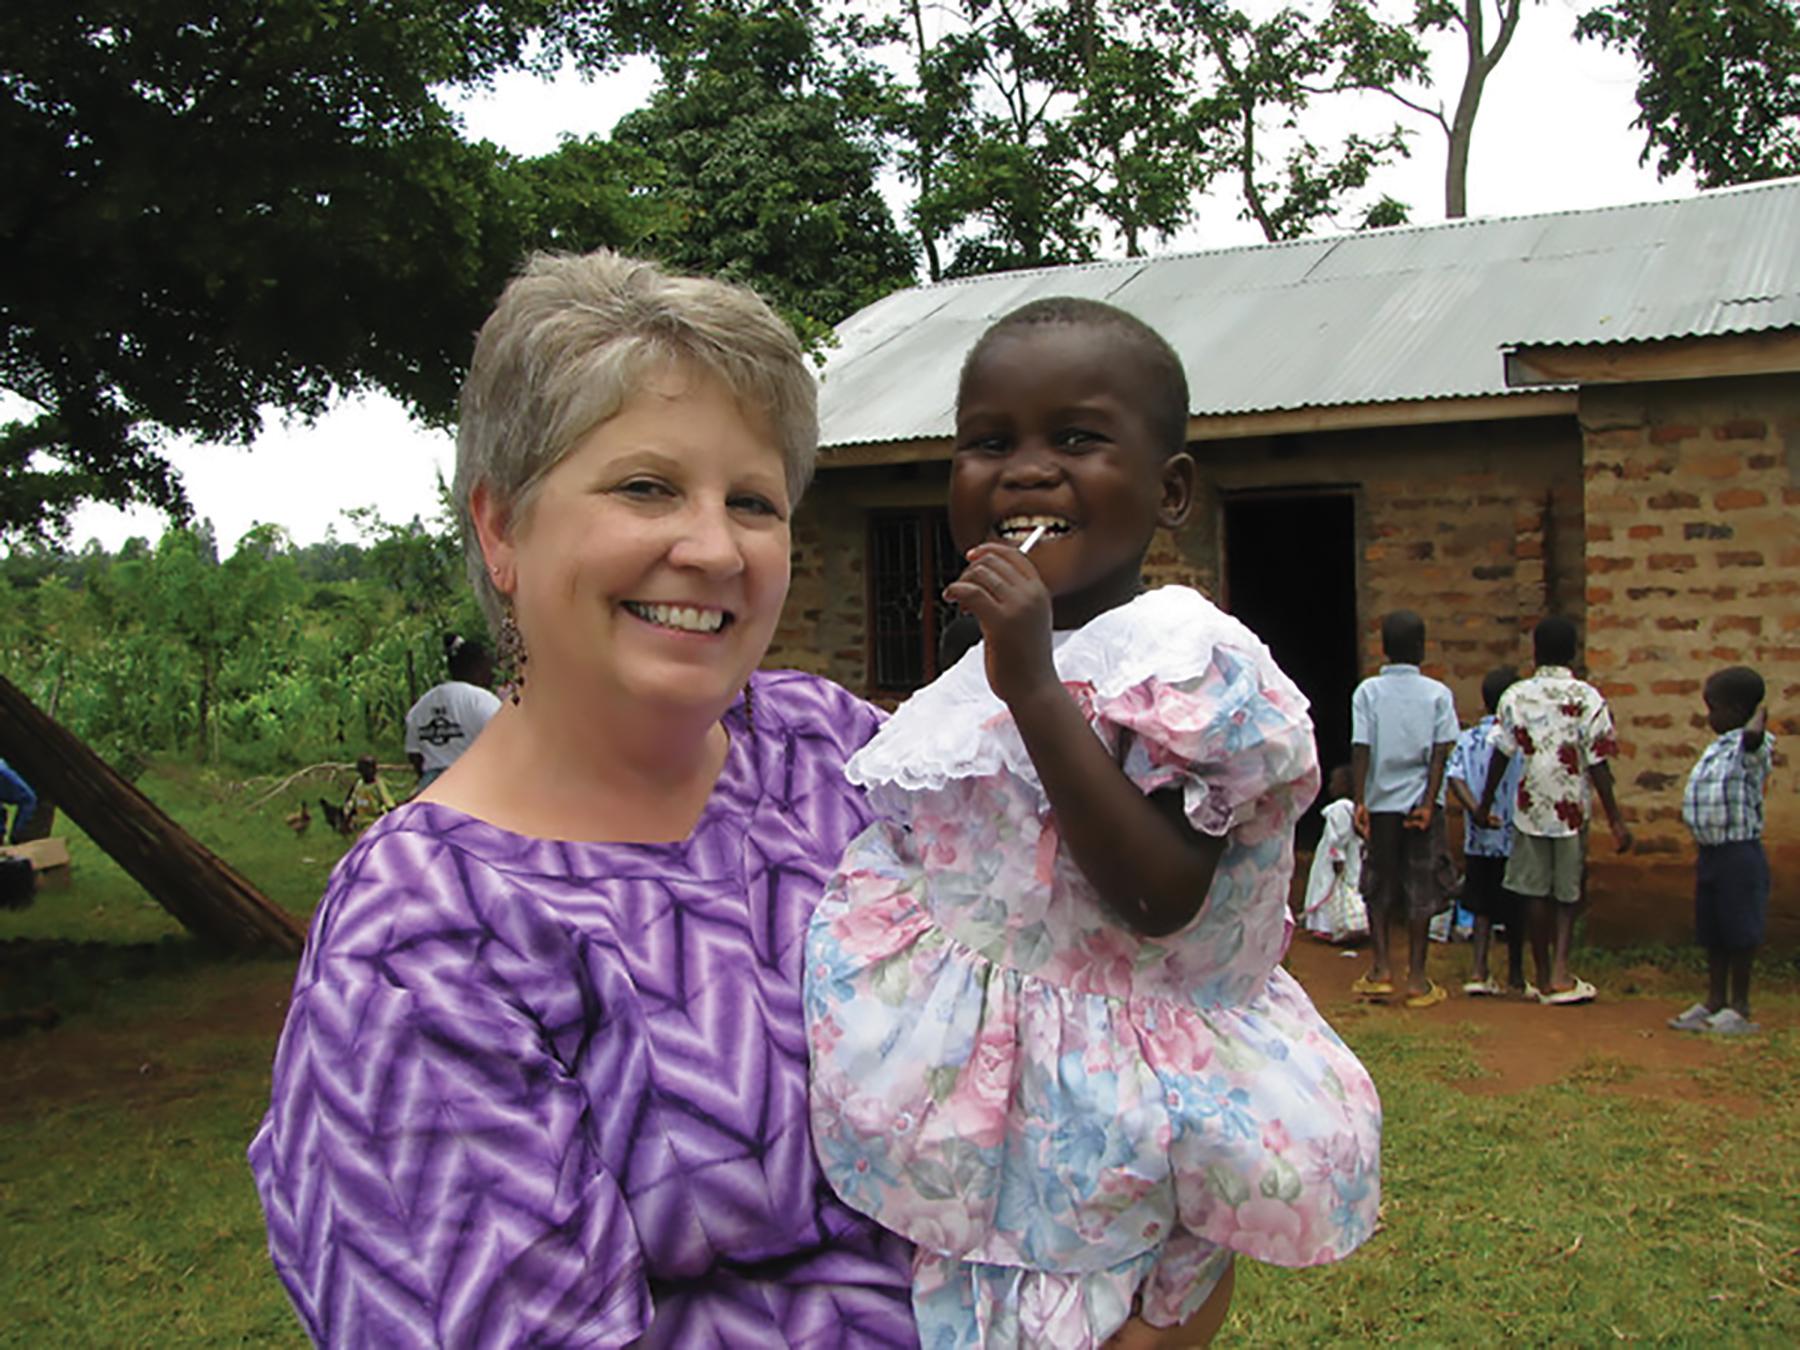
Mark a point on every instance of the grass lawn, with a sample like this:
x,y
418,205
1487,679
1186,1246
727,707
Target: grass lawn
x,y
1573,1176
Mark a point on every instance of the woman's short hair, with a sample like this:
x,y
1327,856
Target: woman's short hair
x,y
576,335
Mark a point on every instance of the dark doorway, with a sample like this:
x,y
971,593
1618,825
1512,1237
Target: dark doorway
x,y
1290,574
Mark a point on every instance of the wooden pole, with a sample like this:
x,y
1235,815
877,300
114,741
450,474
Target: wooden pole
x,y
199,888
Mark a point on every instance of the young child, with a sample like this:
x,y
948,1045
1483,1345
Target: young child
x,y
368,799
1333,909
1561,727
1485,851
1723,806
1402,726
1051,1044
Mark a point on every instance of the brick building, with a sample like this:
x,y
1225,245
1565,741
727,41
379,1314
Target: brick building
x,y
1595,413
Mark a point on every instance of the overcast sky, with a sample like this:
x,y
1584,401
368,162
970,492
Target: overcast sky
x,y
1554,134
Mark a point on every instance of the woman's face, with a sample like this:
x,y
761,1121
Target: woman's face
x,y
652,563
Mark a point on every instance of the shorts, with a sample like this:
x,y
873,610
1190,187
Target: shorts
x,y
1541,867
1407,871
1731,895
1484,890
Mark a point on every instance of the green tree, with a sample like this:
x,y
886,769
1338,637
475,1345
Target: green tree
x,y
213,209
758,159
1718,83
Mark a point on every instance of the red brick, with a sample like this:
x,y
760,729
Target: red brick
x,y
1652,780
1654,845
1672,562
1790,621
1599,533
1737,499
1670,624
1742,429
1615,438
1602,564
1657,721
1714,466
1729,655
1781,586
1674,501
1615,690
1718,594
1682,687
1670,432
1532,547
1599,595
1740,558
1644,532
1660,655
1649,592
1762,461
1737,623
1790,496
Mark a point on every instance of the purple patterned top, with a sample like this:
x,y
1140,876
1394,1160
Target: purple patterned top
x,y
550,1093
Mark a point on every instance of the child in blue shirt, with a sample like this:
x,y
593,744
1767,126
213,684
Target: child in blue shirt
x,y
1723,806
1402,725
1485,850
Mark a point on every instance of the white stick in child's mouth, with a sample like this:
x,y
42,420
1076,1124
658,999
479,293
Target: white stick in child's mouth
x,y
1031,539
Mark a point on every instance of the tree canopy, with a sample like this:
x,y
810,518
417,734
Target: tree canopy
x,y
1718,83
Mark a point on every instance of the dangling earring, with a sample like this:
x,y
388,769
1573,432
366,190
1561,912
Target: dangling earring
x,y
512,652
749,707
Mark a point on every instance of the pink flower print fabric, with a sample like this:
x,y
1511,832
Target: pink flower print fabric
x,y
1010,1078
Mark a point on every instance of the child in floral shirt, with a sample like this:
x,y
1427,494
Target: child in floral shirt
x,y
1563,728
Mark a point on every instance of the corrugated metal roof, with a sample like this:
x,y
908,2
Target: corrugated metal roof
x,y
1392,315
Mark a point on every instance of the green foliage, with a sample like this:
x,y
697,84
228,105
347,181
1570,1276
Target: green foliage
x,y
242,660
1718,83
763,147
209,210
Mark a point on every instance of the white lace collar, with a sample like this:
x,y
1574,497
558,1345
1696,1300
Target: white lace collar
x,y
955,727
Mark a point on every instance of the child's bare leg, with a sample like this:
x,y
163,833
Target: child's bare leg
x,y
1565,934
1484,934
1515,950
1740,963
1380,944
1718,971
1418,944
1537,909
1196,1332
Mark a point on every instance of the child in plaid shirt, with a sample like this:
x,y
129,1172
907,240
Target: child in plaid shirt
x,y
1723,806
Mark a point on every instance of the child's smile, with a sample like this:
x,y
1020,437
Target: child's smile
x,y
1050,431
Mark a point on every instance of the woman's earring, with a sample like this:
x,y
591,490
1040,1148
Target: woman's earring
x,y
512,653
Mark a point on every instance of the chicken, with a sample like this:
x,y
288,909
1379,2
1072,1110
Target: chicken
x,y
299,820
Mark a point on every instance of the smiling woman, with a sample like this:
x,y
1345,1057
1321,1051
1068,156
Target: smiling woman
x,y
543,1076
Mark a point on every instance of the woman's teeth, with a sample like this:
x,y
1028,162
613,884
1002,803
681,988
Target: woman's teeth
x,y
684,617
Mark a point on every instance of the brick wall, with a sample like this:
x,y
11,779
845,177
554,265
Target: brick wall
x,y
1693,564
1477,526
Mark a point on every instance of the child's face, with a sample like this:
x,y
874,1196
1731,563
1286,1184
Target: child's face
x,y
1050,428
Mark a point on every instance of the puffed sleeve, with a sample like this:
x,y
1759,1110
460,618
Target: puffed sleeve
x,y
1235,739
428,1167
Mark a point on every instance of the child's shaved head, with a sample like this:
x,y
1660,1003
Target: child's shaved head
x,y
1152,362
1403,636
1495,683
1553,641
1737,690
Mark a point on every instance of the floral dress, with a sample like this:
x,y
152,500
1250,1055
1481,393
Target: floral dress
x,y
1334,908
1070,1120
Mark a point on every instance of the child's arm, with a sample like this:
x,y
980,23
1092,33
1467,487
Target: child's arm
x,y
1149,865
1464,799
1359,773
1419,818
1484,811
1755,729
1601,774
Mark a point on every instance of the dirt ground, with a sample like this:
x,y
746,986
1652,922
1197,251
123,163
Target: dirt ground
x,y
1620,1039
1526,1045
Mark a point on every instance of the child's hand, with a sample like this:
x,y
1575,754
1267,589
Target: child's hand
x,y
1003,591
1359,820
1621,836
1419,818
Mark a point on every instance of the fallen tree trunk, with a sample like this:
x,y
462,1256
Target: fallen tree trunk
x,y
203,892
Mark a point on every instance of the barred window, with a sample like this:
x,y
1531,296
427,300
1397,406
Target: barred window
x,y
911,560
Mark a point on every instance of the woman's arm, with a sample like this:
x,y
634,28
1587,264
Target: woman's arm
x,y
1148,864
